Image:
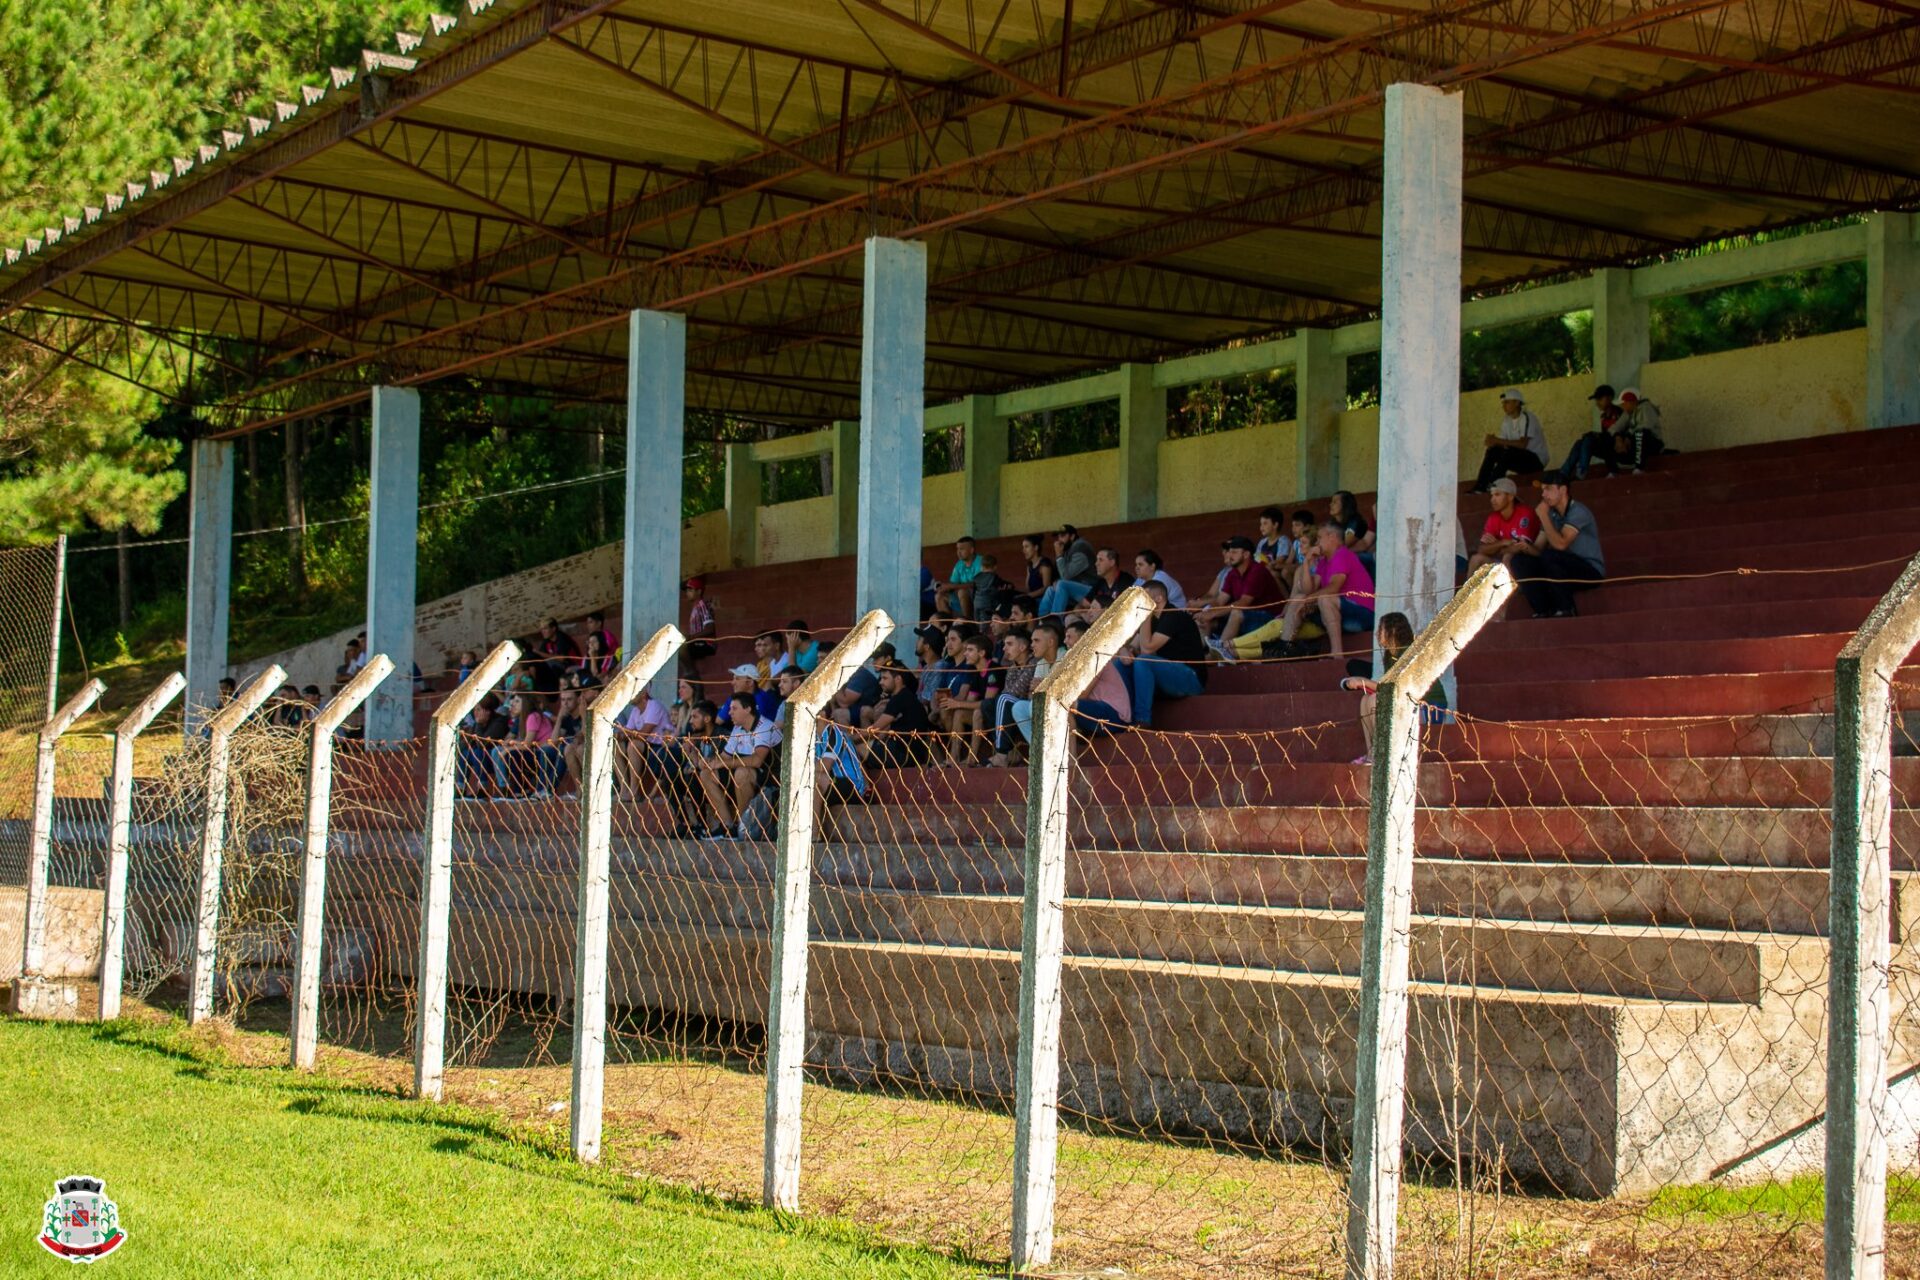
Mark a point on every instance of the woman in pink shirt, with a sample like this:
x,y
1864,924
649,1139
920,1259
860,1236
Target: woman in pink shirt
x,y
522,763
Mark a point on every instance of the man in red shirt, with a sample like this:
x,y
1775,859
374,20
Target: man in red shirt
x,y
1509,528
1244,599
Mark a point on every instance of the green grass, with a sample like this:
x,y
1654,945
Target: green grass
x,y
1801,1199
247,1171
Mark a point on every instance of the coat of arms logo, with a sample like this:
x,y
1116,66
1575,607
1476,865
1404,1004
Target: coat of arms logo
x,y
82,1224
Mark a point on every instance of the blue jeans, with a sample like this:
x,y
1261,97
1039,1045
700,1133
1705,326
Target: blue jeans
x,y
1094,717
1354,617
1149,676
1057,598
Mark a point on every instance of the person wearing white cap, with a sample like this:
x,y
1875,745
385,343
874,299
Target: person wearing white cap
x,y
1510,527
1637,440
1518,446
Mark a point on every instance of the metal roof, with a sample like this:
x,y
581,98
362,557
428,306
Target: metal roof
x,y
1097,180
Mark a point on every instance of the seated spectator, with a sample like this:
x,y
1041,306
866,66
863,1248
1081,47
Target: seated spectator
x,y
597,629
1242,601
701,627
746,679
838,779
853,705
1168,658
1038,564
929,644
959,708
1339,588
1273,545
351,661
1510,527
1049,638
732,778
311,697
1639,440
1395,634
954,594
1073,565
1109,580
521,764
229,690
1518,446
1344,510
1016,686
556,652
1595,446
990,590
519,679
1149,567
697,744
645,733
483,729
1305,530
798,649
1565,556
681,712
901,727
1106,706
598,660
767,650
285,710
569,732
469,660
785,685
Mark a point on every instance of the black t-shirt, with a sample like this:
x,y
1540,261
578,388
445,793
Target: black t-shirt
x,y
1355,527
496,727
908,712
567,727
1105,593
1183,636
968,681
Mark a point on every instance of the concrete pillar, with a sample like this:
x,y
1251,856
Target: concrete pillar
x,y
656,444
1419,352
209,576
984,451
743,506
1622,327
393,544
1143,425
846,488
1320,393
893,363
1893,320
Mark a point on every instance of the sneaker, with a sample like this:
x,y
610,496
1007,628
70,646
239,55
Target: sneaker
x,y
1363,760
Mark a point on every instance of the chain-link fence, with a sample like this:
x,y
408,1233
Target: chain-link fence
x,y
29,612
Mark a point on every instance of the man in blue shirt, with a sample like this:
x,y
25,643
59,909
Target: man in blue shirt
x,y
958,588
1566,555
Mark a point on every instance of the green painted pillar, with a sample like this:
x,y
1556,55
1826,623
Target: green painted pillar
x,y
743,506
1143,425
846,488
984,451
1893,320
1621,329
1320,394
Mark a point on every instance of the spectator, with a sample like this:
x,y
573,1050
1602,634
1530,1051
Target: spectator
x,y
645,730
1170,656
701,628
311,697
785,685
853,705
1149,567
1039,566
901,726
1108,579
692,749
928,644
569,725
1344,510
955,594
1016,685
959,707
1073,565
1305,530
1273,546
767,650
1394,636
598,660
469,659
680,714
520,678
732,778
1106,706
990,590
1517,446
597,628
1639,440
1242,599
1049,638
557,652
284,710
351,661
483,729
746,679
1566,555
1340,589
839,778
1595,446
798,649
520,763
1510,527
229,690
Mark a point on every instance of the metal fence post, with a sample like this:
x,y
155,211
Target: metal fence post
x,y
33,929
596,871
436,868
1859,929
311,926
113,911
792,883
1043,922
1380,1060
213,833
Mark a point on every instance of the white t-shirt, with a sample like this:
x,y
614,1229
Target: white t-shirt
x,y
744,741
1525,427
651,723
1175,596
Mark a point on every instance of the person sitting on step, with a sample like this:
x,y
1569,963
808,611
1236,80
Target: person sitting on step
x,y
1338,588
1510,528
1394,635
1518,446
1565,556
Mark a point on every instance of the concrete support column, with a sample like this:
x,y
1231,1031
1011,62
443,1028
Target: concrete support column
x,y
393,544
1622,328
1893,320
209,576
984,450
893,362
743,506
846,488
1320,393
1419,352
656,445
1143,425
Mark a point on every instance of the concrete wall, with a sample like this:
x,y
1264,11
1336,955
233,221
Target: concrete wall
x,y
1247,468
943,507
1080,489
73,931
801,530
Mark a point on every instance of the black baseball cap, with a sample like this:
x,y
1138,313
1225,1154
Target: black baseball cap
x,y
1240,541
1602,390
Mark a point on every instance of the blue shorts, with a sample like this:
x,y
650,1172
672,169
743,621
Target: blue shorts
x,y
1354,617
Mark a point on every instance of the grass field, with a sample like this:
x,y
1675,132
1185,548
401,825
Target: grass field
x,y
223,1170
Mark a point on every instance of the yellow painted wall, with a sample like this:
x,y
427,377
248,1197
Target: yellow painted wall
x,y
801,530
1247,468
1784,390
943,501
1080,489
703,543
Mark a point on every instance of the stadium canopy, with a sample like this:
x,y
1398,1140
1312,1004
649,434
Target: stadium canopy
x,y
1098,181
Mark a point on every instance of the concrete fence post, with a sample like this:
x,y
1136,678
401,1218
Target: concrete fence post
x,y
1380,1061
436,868
1859,932
213,834
33,929
792,883
311,923
596,872
113,910
1043,922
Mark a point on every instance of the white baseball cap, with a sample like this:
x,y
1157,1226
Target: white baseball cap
x,y
1513,394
